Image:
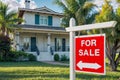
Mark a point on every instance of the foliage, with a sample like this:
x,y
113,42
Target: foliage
x,y
82,10
118,1
112,35
8,19
106,14
4,47
17,56
21,56
31,57
64,58
56,57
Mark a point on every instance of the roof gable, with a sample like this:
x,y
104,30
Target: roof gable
x,y
45,9
42,10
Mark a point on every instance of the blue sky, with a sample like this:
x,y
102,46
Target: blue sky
x,y
47,3
15,4
51,5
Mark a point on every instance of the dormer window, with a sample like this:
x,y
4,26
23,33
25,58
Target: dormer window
x,y
43,20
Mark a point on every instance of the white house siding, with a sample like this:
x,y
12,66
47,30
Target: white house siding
x,y
41,42
61,36
41,39
30,19
56,21
45,56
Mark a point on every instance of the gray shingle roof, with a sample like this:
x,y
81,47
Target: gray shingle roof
x,y
41,27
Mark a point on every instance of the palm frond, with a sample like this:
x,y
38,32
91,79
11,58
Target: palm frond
x,y
8,19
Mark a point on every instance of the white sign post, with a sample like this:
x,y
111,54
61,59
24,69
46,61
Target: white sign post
x,y
72,57
72,29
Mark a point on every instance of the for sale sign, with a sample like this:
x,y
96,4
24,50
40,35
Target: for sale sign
x,y
90,53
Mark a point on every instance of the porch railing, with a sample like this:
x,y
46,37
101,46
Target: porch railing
x,y
60,48
54,49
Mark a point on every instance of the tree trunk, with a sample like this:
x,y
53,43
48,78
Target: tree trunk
x,y
113,65
7,32
1,55
3,31
111,53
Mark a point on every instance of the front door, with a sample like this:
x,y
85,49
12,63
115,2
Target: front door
x,y
33,44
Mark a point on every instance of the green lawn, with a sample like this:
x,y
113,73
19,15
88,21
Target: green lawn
x,y
42,71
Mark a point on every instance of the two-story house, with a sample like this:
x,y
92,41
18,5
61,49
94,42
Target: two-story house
x,y
41,34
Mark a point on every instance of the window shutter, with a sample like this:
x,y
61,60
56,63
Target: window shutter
x,y
50,20
55,44
63,44
36,19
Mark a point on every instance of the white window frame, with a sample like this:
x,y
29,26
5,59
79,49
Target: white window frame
x,y
26,40
43,18
59,44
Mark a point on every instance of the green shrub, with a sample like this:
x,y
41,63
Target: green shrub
x,y
31,57
17,56
4,47
56,57
64,58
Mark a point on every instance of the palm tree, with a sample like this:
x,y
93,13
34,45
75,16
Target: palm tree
x,y
112,35
118,1
8,22
8,19
81,10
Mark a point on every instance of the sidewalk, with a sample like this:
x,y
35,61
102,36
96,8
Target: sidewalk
x,y
56,63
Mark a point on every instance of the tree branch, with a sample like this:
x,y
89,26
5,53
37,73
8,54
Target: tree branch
x,y
118,59
108,51
117,47
108,54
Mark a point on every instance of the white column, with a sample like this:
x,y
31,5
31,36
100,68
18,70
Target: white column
x,y
72,54
49,42
17,41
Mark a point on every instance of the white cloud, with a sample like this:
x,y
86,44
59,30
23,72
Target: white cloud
x,y
99,3
32,4
14,4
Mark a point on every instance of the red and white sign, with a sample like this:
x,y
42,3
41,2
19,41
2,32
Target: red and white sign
x,y
90,54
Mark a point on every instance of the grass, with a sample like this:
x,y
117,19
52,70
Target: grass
x,y
42,71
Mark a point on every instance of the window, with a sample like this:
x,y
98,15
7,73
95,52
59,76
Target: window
x,y
43,20
26,43
26,40
60,44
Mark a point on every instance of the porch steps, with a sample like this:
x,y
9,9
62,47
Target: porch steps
x,y
45,56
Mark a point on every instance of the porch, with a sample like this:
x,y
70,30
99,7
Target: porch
x,y
43,44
